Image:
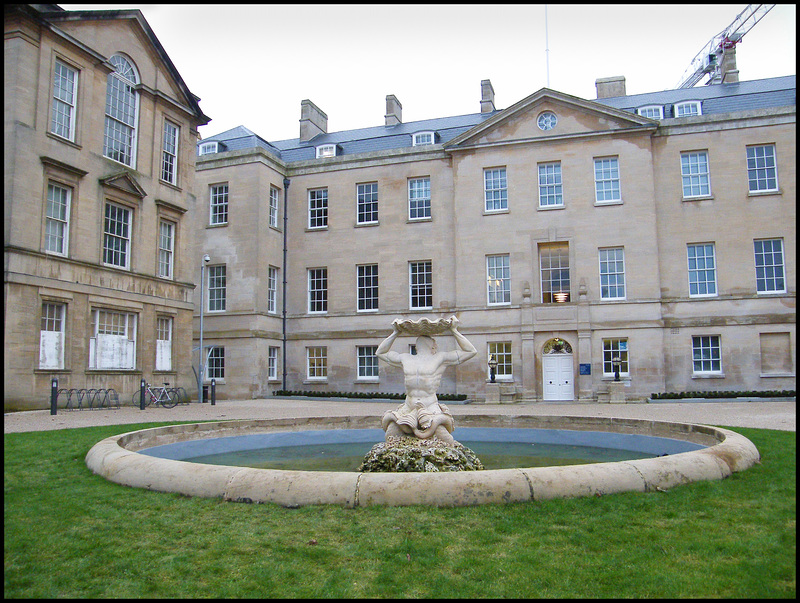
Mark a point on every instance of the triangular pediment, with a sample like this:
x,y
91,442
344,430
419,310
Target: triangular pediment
x,y
124,182
111,31
575,117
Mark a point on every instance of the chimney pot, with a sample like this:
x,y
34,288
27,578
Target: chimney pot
x,y
609,87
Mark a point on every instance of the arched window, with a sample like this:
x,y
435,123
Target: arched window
x,y
122,112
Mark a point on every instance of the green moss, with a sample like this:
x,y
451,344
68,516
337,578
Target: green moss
x,y
401,455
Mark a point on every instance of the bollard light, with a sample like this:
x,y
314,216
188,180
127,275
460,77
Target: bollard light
x,y
213,391
616,362
54,396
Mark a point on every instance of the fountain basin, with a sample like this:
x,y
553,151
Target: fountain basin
x,y
118,459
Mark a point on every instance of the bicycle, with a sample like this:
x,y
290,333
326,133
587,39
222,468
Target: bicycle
x,y
165,396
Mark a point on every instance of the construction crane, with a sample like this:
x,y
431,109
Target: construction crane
x,y
709,59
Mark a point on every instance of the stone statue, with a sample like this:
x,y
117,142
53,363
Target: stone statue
x,y
421,415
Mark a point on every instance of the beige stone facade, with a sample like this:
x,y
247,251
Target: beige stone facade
x,y
555,327
98,286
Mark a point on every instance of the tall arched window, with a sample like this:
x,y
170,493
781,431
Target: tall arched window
x,y
122,112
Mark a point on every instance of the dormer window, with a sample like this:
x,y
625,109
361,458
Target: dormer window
x,y
651,111
688,109
326,150
421,138
207,148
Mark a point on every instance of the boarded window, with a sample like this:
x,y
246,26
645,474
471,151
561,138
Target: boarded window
x,y
776,354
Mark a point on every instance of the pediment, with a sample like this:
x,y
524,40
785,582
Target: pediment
x,y
124,182
576,118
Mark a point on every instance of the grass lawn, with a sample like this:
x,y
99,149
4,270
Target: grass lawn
x,y
69,533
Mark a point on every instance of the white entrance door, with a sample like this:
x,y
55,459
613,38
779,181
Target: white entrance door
x,y
557,370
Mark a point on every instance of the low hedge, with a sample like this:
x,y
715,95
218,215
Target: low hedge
x,y
361,395
771,393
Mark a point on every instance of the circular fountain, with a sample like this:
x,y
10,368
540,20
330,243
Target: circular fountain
x,y
120,459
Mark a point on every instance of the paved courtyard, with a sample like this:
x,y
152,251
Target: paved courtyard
x,y
769,414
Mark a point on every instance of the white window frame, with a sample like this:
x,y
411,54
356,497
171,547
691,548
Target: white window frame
x,y
772,273
272,362
122,237
762,168
695,174
616,346
217,288
52,331
169,152
419,198
58,223
651,111
113,344
423,138
561,294
272,290
701,261
218,204
498,279
164,337
65,99
612,272
207,148
166,249
551,185
367,203
318,290
420,284
694,109
706,350
274,206
367,288
215,364
607,181
495,190
326,150
503,353
318,208
121,135
367,363
317,363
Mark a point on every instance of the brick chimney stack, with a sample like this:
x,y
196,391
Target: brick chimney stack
x,y
394,111
609,87
313,121
487,96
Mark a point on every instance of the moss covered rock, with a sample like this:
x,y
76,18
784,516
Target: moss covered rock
x,y
407,454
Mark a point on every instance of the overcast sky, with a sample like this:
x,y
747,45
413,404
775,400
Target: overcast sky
x,y
252,65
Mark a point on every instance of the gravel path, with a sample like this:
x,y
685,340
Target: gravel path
x,y
771,414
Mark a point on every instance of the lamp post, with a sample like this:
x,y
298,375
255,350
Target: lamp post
x,y
206,260
616,362
492,368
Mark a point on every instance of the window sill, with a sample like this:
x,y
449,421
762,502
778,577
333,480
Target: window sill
x,y
550,207
775,193
415,220
171,185
698,198
316,228
604,203
367,380
54,371
66,141
366,224
708,375
777,375
221,225
313,381
494,212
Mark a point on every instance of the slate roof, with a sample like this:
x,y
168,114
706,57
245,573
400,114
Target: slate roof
x,y
719,98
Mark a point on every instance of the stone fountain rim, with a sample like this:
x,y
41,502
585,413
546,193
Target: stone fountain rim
x,y
117,459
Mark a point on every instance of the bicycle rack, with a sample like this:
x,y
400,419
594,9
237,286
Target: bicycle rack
x,y
95,398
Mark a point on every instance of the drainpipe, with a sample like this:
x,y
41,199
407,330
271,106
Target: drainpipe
x,y
286,183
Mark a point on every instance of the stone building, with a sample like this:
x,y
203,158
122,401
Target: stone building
x,y
99,158
650,234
